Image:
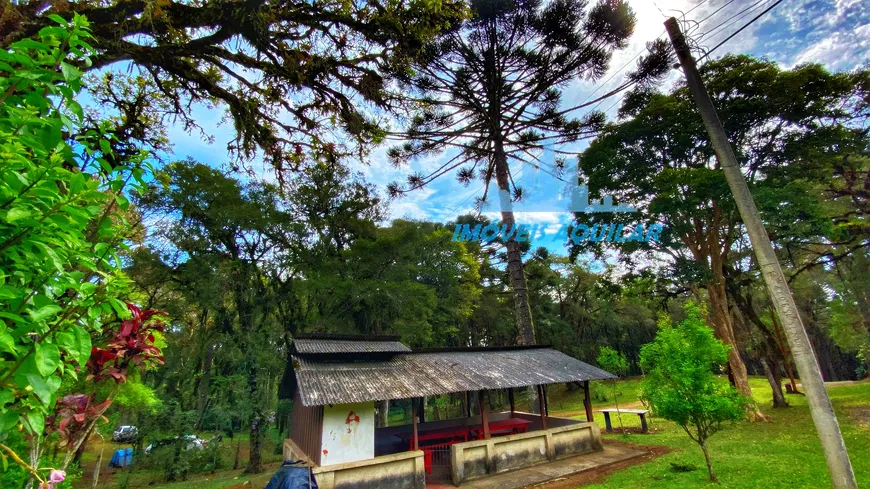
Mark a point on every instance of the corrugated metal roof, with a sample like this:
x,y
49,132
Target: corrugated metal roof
x,y
323,345
432,373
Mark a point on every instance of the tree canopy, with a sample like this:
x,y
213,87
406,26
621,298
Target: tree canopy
x,y
284,71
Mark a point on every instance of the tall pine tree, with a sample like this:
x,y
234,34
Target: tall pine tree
x,y
491,91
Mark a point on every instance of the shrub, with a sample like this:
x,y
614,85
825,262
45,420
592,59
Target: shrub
x,y
680,384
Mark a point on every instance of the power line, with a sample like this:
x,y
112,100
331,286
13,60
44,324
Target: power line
x,y
705,19
735,16
605,82
768,9
696,6
466,200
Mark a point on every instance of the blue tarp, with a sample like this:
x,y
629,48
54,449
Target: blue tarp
x,y
293,475
122,458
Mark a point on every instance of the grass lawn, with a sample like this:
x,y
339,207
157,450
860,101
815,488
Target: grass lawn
x,y
784,453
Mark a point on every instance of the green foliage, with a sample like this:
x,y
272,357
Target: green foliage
x,y
62,219
319,79
138,396
680,384
612,361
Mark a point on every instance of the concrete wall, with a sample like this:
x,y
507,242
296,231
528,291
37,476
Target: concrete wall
x,y
479,458
348,433
399,471
404,470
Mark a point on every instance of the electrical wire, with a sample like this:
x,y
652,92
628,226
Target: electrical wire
x,y
732,18
611,77
705,19
768,9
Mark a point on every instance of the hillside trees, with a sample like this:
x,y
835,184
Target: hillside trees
x,y
489,95
248,267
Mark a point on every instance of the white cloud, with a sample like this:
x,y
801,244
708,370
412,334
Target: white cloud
x,y
840,50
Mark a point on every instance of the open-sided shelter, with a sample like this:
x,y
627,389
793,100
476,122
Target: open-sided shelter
x,y
338,379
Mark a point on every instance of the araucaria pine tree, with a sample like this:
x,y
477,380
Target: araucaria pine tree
x,y
488,94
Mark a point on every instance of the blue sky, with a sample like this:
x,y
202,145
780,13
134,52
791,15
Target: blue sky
x,y
835,33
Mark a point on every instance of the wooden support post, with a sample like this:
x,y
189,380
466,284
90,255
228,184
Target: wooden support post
x,y
481,401
512,401
415,442
421,409
543,408
467,404
546,400
587,402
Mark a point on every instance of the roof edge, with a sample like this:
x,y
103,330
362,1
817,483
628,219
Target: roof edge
x,y
345,337
460,349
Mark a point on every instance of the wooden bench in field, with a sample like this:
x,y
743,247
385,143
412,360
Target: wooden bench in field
x,y
640,412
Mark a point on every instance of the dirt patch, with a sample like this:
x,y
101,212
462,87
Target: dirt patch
x,y
595,408
633,430
595,475
861,416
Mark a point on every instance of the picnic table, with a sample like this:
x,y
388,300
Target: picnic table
x,y
640,412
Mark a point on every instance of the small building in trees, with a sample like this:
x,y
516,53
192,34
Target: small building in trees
x,y
370,412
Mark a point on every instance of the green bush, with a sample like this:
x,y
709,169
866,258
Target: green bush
x,y
680,384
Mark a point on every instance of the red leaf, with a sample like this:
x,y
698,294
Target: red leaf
x,y
126,328
137,313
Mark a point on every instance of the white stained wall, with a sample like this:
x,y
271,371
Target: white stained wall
x,y
348,433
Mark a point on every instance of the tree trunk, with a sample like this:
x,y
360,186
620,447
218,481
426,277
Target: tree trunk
x,y
383,413
525,326
255,463
784,348
248,325
202,401
771,370
769,355
709,464
725,331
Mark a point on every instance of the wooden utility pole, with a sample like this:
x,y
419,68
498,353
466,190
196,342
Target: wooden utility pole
x,y
415,443
839,465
